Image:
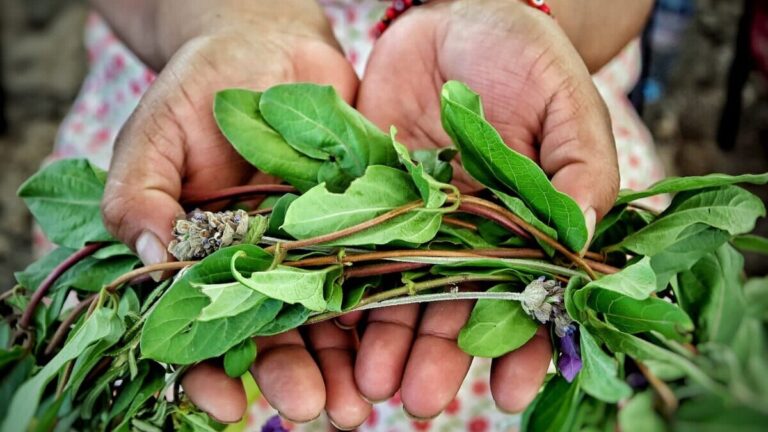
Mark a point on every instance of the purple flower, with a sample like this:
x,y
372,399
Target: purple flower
x,y
274,424
569,362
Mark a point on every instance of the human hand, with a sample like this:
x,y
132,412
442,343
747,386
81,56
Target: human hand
x,y
538,94
171,147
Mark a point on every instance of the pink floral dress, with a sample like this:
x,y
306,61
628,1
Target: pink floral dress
x,y
117,80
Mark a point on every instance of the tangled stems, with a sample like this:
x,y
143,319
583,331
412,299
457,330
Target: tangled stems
x,y
412,289
197,199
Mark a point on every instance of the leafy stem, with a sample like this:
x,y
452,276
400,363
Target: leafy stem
x,y
200,198
411,289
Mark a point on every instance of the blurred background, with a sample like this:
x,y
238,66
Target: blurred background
x,y
704,95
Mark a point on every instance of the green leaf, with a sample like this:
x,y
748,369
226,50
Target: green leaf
x,y
227,300
35,273
638,415
290,317
354,290
692,244
756,295
554,409
153,384
429,188
751,243
436,162
680,184
380,190
288,284
11,380
238,116
173,332
64,198
598,378
711,414
277,217
461,236
729,208
113,250
314,120
239,358
637,281
489,160
711,293
638,316
496,327
103,325
518,207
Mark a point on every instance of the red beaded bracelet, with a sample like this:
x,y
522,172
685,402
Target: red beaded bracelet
x,y
398,7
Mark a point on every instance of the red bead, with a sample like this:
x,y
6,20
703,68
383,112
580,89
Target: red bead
x,y
408,3
381,26
390,13
544,8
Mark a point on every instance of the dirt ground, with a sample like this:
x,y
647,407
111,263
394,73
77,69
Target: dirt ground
x,y
42,64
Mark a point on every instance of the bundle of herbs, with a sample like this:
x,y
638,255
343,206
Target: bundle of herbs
x,y
653,323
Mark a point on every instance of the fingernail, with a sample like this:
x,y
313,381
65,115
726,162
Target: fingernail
x,y
151,251
590,219
423,419
342,326
333,423
371,401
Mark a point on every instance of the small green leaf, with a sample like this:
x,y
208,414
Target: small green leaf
x,y
436,162
239,358
277,217
288,284
554,409
238,116
431,190
64,198
518,207
227,300
489,160
751,243
680,184
599,377
637,281
290,317
380,190
692,244
496,327
638,415
729,208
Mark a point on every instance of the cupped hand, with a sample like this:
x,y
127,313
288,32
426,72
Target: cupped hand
x,y
171,147
538,94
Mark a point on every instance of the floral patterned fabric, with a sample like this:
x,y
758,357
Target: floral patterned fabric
x,y
117,79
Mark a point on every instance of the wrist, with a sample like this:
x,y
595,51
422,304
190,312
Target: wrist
x,y
178,22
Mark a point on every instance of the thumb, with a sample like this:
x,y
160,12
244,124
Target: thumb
x,y
141,196
579,152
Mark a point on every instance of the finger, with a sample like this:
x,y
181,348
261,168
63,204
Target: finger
x,y
517,376
215,392
384,350
437,366
288,377
334,349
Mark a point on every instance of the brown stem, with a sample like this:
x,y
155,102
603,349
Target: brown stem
x,y
247,191
382,269
459,223
493,216
576,259
49,281
260,211
375,256
4,296
61,331
325,238
127,277
665,393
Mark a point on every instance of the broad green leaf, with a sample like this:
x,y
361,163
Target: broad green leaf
x,y
598,378
35,273
489,160
64,198
751,243
712,414
496,327
238,116
637,281
680,184
12,379
227,300
103,324
729,208
637,316
711,293
436,162
756,294
277,217
173,332
288,284
692,244
239,358
518,207
314,120
333,291
461,236
355,288
290,317
638,415
554,409
380,190
431,190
